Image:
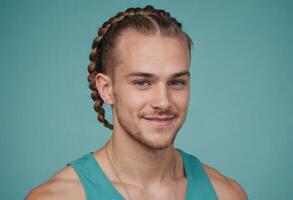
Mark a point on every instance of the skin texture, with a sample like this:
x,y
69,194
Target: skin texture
x,y
150,103
149,95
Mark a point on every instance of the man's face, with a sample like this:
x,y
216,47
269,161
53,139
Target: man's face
x,y
150,88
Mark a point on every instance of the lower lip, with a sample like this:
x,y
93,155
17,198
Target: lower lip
x,y
160,123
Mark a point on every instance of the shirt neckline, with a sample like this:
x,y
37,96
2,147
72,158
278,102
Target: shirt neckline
x,y
107,184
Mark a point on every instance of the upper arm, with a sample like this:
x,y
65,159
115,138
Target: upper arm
x,y
237,192
64,185
226,188
43,192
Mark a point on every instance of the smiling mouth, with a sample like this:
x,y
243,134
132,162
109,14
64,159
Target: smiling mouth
x,y
160,122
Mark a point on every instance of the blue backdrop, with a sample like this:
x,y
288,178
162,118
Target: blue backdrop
x,y
241,110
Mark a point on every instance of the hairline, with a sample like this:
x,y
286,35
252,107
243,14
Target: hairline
x,y
110,70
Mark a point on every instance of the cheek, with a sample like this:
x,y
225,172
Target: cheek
x,y
130,101
181,99
138,98
139,102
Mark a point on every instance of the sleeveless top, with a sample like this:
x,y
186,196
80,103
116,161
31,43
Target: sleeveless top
x,y
97,186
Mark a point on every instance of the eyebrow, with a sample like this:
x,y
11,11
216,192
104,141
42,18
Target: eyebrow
x,y
150,75
183,73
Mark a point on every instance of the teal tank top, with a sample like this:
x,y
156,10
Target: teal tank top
x,y
97,186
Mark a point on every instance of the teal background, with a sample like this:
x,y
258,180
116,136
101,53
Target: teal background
x,y
241,110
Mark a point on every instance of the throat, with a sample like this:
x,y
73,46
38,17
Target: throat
x,y
143,168
137,175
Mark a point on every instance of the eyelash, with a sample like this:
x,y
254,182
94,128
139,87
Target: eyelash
x,y
141,82
145,83
179,82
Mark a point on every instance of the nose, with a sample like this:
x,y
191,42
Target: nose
x,y
160,98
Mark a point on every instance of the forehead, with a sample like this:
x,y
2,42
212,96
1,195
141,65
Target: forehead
x,y
154,54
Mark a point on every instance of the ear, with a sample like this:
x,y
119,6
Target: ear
x,y
104,87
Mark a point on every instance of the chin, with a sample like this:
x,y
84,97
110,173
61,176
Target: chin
x,y
156,146
151,136
155,141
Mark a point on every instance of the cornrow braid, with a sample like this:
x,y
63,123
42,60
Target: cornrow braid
x,y
147,20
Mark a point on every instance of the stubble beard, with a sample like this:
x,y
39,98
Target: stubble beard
x,y
140,137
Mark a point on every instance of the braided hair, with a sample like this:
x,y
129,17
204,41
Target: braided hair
x,y
147,21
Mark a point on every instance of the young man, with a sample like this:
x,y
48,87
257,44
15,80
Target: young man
x,y
140,66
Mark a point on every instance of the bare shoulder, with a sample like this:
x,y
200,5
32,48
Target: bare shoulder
x,y
226,188
63,185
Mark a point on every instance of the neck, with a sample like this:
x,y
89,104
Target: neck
x,y
139,165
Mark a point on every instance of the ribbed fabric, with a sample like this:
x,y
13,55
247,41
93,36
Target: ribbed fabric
x,y
98,187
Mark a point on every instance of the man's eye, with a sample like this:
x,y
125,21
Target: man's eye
x,y
141,83
177,82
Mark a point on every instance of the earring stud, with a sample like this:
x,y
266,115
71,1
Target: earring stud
x,y
108,101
